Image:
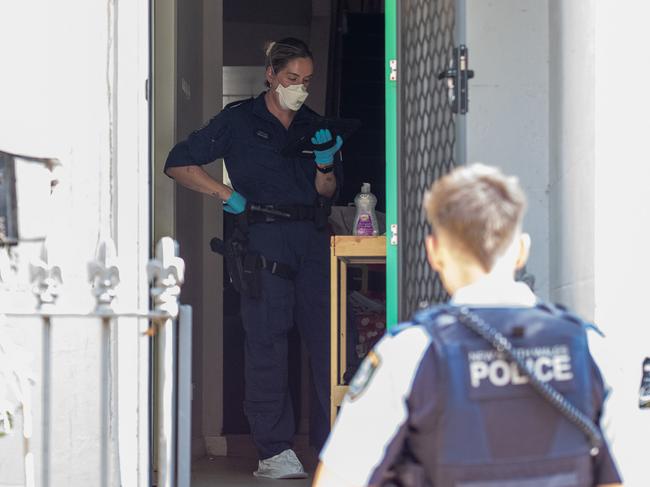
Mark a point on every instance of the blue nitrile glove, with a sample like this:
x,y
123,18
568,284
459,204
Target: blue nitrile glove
x,y
236,204
323,136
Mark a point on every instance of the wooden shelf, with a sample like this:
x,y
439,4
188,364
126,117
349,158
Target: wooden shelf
x,y
352,246
344,250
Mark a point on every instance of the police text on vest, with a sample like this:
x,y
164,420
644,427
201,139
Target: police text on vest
x,y
546,363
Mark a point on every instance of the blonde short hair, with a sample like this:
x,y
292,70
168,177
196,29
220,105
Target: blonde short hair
x,y
280,53
479,207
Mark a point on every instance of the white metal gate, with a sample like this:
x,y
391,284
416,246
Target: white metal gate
x,y
170,328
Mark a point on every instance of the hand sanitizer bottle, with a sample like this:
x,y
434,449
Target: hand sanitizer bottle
x,y
365,221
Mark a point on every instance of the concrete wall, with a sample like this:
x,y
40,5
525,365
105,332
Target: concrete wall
x,y
82,102
508,120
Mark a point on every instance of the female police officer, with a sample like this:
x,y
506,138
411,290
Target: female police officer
x,y
287,245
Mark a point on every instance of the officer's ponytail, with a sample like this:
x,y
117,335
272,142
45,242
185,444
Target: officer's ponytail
x,y
280,53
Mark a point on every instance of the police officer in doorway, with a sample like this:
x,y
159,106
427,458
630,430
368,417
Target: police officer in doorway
x,y
281,202
495,388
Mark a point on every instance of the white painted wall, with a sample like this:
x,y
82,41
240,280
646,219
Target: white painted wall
x,y
131,208
599,199
508,120
572,140
83,103
621,230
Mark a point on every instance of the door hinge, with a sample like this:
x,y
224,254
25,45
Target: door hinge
x,y
393,69
147,89
393,234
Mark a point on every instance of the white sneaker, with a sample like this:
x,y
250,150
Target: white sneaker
x,y
284,465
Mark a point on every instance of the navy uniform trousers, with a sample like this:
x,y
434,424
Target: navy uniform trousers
x,y
267,320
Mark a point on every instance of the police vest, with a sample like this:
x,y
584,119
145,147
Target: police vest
x,y
492,429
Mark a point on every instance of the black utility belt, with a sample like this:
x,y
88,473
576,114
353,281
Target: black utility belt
x,y
249,282
278,213
244,266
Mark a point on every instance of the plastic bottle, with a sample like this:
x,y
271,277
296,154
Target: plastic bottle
x,y
365,220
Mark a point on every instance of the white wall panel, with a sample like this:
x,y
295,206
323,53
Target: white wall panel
x,y
508,119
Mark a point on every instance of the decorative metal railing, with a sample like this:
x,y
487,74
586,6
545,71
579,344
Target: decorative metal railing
x,y
166,320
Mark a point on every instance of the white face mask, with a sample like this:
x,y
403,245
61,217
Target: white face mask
x,y
292,97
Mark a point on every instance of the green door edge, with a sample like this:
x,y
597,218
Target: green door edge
x,y
392,205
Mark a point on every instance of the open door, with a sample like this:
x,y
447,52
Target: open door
x,y
437,45
422,135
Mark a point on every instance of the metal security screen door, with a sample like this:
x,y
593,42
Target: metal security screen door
x,y
427,135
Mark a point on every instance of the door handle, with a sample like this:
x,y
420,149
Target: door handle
x,y
457,75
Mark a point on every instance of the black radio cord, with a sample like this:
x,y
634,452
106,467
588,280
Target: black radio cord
x,y
479,326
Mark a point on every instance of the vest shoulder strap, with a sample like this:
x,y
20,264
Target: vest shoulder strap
x,y
560,311
422,317
563,312
429,315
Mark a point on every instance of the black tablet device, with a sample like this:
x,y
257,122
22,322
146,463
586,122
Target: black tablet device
x,y
303,147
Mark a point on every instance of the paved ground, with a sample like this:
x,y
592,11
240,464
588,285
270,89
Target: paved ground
x,y
238,472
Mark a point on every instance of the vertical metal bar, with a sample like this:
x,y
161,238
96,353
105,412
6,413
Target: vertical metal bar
x,y
165,400
167,271
47,382
460,37
105,398
153,409
29,462
184,458
28,433
392,187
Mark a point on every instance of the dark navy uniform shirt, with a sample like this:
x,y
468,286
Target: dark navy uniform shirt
x,y
250,139
394,395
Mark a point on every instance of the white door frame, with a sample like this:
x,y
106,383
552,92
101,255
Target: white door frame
x,y
209,323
